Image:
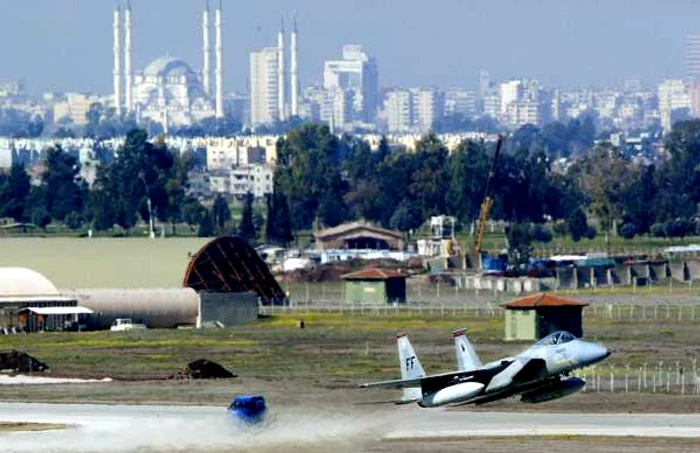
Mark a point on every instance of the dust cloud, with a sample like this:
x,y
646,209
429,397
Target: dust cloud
x,y
287,429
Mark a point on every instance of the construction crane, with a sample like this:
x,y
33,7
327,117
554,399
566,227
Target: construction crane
x,y
486,205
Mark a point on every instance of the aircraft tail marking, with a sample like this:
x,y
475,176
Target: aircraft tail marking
x,y
467,360
411,367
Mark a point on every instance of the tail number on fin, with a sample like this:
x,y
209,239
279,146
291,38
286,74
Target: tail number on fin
x,y
410,363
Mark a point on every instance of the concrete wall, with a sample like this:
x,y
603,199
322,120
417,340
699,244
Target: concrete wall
x,y
365,292
520,325
227,309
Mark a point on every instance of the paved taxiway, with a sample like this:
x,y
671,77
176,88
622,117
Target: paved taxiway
x,y
121,428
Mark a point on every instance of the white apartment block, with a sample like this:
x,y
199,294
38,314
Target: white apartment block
x,y
257,179
510,92
399,111
229,152
74,108
264,86
428,107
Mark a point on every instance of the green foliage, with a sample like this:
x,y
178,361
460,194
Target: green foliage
x,y
519,243
577,224
220,214
628,230
64,191
206,225
14,190
246,227
142,172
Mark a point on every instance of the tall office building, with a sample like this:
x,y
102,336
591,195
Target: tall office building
x,y
264,86
356,75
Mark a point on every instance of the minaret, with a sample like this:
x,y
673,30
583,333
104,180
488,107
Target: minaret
x,y
127,59
280,74
117,62
219,62
294,70
206,68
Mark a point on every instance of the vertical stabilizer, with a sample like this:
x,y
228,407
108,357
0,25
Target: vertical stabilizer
x,y
411,367
467,360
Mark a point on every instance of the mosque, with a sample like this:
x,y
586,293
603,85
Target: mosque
x,y
168,91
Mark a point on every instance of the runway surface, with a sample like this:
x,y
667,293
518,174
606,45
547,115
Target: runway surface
x,y
121,428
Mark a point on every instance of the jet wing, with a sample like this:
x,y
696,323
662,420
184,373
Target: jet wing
x,y
437,381
521,369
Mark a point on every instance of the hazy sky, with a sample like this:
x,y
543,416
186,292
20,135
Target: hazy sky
x,y
66,45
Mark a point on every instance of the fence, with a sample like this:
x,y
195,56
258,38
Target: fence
x,y
488,310
677,378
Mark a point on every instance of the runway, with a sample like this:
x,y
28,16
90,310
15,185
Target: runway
x,y
122,428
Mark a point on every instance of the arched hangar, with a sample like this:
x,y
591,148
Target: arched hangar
x,y
29,301
223,285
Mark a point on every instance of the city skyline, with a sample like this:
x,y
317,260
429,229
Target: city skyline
x,y
559,43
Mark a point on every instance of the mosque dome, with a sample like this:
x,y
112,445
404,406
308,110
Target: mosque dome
x,y
167,67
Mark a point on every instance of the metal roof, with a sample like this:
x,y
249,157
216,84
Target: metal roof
x,y
59,310
543,300
359,225
374,274
21,282
229,264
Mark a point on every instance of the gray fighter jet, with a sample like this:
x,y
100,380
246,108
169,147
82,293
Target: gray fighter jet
x,y
540,373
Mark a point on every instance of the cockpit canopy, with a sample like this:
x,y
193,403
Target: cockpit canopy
x,y
556,338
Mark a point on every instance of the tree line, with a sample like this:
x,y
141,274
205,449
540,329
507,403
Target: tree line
x,y
144,181
322,180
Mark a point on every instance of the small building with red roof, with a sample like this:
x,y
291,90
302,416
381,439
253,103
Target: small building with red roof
x,y
375,286
536,316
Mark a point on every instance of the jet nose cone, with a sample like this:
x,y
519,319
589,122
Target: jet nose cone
x,y
593,353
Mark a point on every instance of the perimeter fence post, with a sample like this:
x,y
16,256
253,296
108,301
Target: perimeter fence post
x,y
612,378
627,376
639,380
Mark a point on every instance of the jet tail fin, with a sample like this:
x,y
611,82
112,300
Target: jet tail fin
x,y
467,360
411,368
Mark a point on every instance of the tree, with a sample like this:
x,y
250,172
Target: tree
x,y
519,244
65,191
607,178
628,230
206,226
246,227
578,225
14,192
220,214
406,217
308,165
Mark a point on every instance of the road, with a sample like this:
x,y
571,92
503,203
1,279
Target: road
x,y
122,428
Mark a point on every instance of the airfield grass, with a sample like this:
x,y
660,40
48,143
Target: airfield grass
x,y
22,426
337,348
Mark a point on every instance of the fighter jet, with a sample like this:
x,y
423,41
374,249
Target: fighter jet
x,y
538,374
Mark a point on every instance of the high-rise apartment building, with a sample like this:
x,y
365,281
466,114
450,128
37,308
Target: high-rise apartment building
x,y
399,111
428,107
264,86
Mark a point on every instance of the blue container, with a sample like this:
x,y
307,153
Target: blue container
x,y
248,408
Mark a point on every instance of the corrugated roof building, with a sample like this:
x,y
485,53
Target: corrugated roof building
x,y
536,316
